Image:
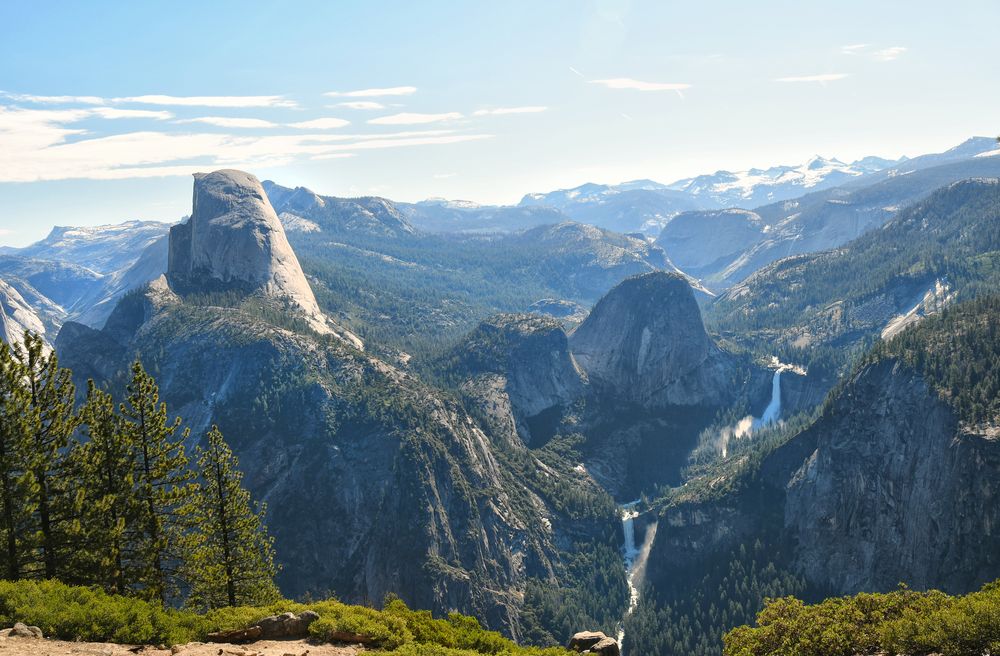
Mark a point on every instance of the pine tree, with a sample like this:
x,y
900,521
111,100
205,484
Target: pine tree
x,y
51,420
107,467
162,483
17,489
230,559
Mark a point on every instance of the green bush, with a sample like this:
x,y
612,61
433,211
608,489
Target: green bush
x,y
385,630
900,622
77,613
89,614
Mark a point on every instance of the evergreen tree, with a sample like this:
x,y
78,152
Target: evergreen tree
x,y
162,483
107,467
16,482
51,420
230,560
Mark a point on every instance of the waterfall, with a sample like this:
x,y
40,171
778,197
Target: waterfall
x,y
634,558
773,410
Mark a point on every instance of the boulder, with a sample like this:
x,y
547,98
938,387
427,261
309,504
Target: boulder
x,y
584,640
606,647
22,630
275,627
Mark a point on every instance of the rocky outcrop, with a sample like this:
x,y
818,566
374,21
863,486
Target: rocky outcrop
x,y
287,626
885,487
645,343
234,242
16,316
593,642
701,243
526,359
894,490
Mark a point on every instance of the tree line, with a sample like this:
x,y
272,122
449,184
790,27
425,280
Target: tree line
x,y
103,493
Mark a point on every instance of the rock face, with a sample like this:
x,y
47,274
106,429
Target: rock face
x,y
526,359
884,487
234,242
894,490
645,342
701,243
16,316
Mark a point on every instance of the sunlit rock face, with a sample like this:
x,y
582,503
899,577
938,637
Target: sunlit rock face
x,y
645,341
234,242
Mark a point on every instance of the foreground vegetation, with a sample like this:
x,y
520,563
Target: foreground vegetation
x,y
900,622
90,614
103,493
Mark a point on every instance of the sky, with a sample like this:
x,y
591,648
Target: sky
x,y
106,108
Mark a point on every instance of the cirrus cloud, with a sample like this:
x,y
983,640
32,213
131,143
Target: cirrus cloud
x,y
328,123
640,85
373,93
414,118
499,111
822,77
361,104
889,54
230,122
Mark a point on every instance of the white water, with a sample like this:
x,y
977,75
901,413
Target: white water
x,y
773,410
772,413
635,558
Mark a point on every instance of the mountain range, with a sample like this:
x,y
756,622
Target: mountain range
x,y
564,426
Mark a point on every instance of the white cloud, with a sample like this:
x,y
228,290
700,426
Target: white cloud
x,y
853,48
889,54
35,145
444,176
208,101
510,110
576,72
333,156
371,93
231,122
823,77
321,124
411,118
639,85
361,104
180,101
115,112
55,100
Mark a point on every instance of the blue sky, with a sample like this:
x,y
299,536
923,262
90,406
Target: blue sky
x,y
107,107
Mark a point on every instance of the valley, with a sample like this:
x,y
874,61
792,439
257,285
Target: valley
x,y
560,427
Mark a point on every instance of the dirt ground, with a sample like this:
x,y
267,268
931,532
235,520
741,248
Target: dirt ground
x,y
44,647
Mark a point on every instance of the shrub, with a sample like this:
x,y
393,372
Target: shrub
x,y
384,629
72,613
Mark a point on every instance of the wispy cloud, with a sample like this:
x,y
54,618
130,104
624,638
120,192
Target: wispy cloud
x,y
115,112
55,100
576,72
412,118
333,156
373,93
37,146
889,54
361,104
853,49
208,101
230,122
499,111
822,77
640,85
328,123
443,176
164,100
